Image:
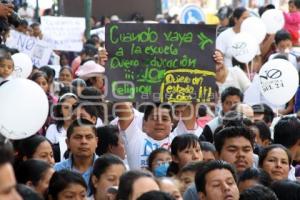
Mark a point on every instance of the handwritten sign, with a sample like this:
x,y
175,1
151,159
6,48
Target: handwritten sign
x,y
64,33
38,50
160,62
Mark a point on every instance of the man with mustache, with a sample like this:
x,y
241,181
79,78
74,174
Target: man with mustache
x,y
235,146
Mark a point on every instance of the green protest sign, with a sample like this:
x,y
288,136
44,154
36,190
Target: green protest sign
x,y
160,62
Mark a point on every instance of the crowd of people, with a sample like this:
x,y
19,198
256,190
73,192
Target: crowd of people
x,y
92,148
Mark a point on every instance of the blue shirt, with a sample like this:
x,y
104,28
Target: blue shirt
x,y
68,164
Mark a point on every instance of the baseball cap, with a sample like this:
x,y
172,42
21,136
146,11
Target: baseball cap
x,y
224,12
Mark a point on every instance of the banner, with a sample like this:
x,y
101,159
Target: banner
x,y
160,62
38,50
64,33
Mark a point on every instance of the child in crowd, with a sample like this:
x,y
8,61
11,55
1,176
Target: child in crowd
x,y
159,162
292,21
6,67
283,42
184,149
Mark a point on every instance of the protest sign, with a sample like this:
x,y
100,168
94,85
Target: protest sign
x,y
100,32
38,50
160,62
64,33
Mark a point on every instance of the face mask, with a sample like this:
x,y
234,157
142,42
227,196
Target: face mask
x,y
161,170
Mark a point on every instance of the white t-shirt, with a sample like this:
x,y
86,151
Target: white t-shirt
x,y
223,43
235,78
181,129
139,145
58,137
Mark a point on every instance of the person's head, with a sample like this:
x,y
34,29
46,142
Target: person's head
x,y
64,60
63,109
235,145
81,138
294,5
65,75
253,176
245,110
27,192
229,97
50,73
275,160
258,192
7,176
239,15
186,175
36,174
106,173
41,79
286,189
208,151
157,195
35,30
263,112
283,41
78,85
159,161
6,64
262,133
66,184
88,51
88,111
224,14
158,120
285,133
110,141
134,183
216,180
170,186
36,147
22,26
185,149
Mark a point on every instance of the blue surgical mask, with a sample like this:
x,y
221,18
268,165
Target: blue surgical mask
x,y
161,170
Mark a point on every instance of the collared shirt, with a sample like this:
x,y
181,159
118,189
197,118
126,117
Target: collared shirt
x,y
68,164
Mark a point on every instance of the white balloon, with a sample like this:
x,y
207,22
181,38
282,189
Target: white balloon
x,y
23,108
278,81
244,47
255,27
273,20
23,65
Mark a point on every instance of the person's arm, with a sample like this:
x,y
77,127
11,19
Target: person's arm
x,y
125,113
289,109
266,45
6,10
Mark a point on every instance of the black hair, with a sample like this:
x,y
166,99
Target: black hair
x,y
264,130
49,71
258,192
286,131
178,144
257,174
61,180
157,195
78,123
39,74
90,94
231,91
237,13
35,24
126,183
108,136
28,193
200,177
295,2
153,155
235,118
102,164
232,132
192,167
32,170
286,189
6,150
207,146
28,146
263,9
282,35
202,111
58,110
66,68
264,109
149,109
264,153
